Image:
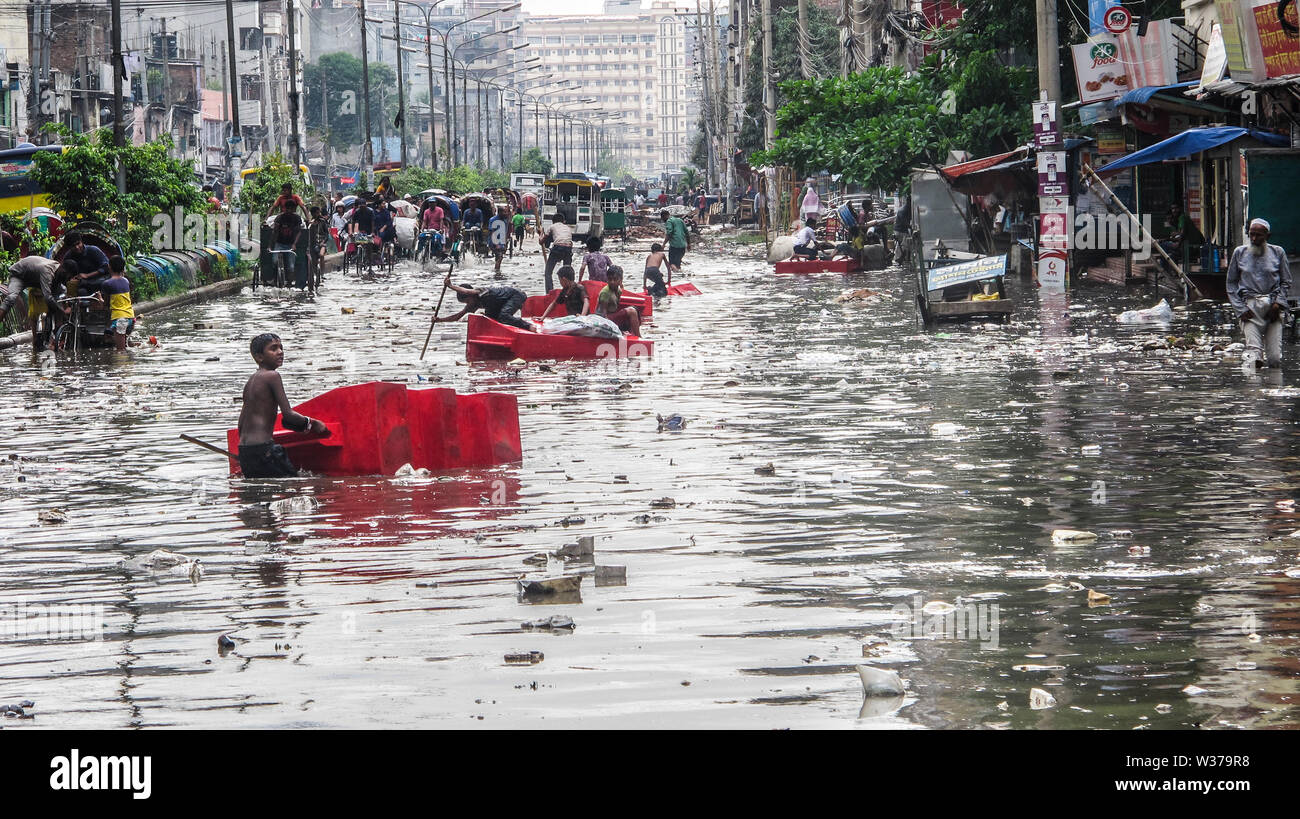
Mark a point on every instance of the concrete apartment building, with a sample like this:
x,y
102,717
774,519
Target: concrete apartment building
x,y
636,64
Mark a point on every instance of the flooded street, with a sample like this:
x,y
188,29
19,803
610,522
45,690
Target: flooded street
x,y
909,470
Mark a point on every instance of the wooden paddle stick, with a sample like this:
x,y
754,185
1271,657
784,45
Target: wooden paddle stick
x,y
209,447
433,321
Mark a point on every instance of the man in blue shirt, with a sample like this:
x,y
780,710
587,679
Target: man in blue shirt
x,y
91,262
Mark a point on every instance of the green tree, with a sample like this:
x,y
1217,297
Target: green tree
x,y
700,146
339,73
81,183
872,127
534,161
261,189
618,173
823,36
690,180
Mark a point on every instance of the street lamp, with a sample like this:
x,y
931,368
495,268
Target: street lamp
x,y
464,86
446,69
514,68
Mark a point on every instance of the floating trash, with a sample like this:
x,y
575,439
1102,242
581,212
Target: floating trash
x,y
1071,536
880,682
1040,699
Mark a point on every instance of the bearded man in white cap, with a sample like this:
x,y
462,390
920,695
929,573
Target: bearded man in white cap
x,y
1259,286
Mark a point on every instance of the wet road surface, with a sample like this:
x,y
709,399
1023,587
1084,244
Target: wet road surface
x,y
911,472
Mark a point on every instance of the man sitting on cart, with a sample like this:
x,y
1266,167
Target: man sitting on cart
x,y
384,231
91,262
805,240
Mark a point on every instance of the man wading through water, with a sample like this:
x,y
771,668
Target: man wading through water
x,y
1259,285
259,455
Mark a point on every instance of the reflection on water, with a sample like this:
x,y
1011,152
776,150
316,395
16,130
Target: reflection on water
x,y
906,467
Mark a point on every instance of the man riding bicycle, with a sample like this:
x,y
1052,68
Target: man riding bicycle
x,y
384,231
286,228
472,221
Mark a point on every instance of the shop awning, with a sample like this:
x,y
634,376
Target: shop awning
x,y
1143,95
952,173
1191,141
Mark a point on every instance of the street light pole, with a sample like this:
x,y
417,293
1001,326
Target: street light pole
x,y
368,152
401,83
295,137
449,79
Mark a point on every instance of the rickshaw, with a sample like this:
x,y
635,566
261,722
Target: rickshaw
x,y
87,324
427,247
613,206
483,203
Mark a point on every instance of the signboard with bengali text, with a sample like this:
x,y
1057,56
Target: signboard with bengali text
x,y
1281,50
964,272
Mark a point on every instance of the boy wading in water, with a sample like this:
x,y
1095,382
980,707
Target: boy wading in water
x,y
259,455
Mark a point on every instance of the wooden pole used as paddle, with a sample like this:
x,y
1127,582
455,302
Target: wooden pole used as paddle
x,y
1191,288
208,447
433,321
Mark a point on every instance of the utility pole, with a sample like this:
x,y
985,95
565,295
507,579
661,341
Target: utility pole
x,y
769,106
1049,68
167,81
232,89
295,138
119,127
428,60
325,127
368,150
801,40
401,82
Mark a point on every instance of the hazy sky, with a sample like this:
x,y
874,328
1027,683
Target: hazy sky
x,y
563,6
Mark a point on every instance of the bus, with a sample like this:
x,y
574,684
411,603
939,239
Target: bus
x,y
579,201
18,191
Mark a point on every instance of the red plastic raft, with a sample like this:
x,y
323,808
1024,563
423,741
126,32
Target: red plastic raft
x,y
817,266
377,427
491,340
687,289
535,305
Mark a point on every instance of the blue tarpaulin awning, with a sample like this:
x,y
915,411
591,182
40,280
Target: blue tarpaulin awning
x,y
1189,142
1143,95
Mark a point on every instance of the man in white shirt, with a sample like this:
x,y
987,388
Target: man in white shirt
x,y
805,240
558,242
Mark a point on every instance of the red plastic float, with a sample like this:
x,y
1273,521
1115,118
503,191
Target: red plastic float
x,y
377,427
687,289
817,266
486,339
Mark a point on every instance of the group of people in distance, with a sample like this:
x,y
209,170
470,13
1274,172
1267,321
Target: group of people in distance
x,y
83,270
501,303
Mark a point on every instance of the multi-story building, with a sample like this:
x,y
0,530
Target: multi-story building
x,y
636,65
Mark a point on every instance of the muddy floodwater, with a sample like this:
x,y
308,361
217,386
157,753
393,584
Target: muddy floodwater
x,y
915,479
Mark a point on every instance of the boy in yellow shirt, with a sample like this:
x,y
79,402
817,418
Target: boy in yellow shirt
x,y
121,315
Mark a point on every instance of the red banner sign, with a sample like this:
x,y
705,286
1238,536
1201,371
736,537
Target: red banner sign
x,y
1281,50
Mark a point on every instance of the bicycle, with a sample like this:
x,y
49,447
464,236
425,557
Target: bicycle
x,y
72,330
357,247
284,267
388,255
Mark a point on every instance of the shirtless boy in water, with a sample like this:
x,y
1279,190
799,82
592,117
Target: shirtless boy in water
x,y
259,455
